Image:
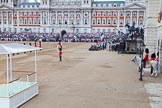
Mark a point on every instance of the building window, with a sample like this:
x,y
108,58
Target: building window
x,y
115,5
10,14
21,14
85,30
60,21
114,21
98,21
35,13
93,30
104,5
15,30
109,13
86,14
29,14
109,30
103,30
127,13
21,21
38,30
45,13
141,13
141,21
72,14
121,4
93,21
127,21
85,22
35,21
134,13
30,21
103,13
15,21
71,21
84,2
121,13
5,21
77,21
109,21
9,21
4,30
121,21
53,21
15,14
99,5
103,21
99,13
77,30
9,29
44,21
25,21
20,29
65,14
98,30
25,14
134,20
114,31
110,5
44,30
115,13
53,30
53,14
39,21
94,14
65,22
78,14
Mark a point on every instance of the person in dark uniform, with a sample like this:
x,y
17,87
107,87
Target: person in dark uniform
x,y
59,48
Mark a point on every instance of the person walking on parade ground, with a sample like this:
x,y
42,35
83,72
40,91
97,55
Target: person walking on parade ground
x,y
59,49
155,57
35,43
154,65
40,43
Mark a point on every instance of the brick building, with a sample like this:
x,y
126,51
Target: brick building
x,y
70,15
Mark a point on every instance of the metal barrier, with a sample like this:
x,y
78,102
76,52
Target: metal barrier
x,y
14,80
27,76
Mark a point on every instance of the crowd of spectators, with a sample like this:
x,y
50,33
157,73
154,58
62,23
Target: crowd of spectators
x,y
68,37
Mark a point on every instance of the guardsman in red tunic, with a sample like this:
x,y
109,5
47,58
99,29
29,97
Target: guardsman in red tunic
x,y
146,58
59,48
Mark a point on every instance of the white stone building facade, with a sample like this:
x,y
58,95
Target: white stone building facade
x,y
74,16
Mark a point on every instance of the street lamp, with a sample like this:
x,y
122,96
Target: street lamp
x,y
142,47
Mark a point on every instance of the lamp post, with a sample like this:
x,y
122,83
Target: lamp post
x,y
142,46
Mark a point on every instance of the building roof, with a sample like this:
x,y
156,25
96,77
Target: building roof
x,y
135,4
16,48
30,4
5,6
108,2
